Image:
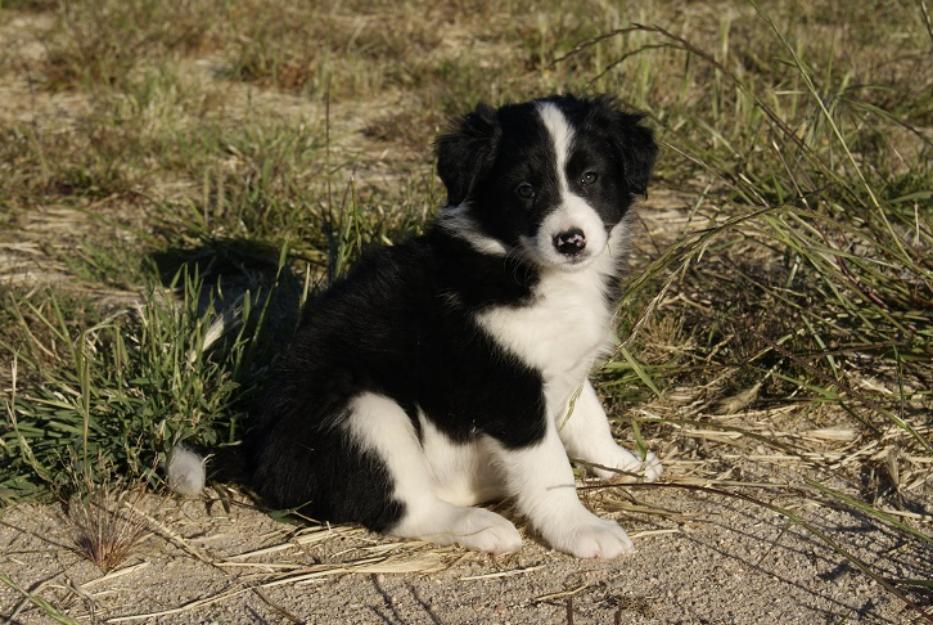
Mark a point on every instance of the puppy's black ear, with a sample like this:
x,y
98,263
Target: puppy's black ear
x,y
634,144
466,152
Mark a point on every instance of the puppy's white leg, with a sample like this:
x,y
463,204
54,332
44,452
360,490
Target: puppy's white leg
x,y
586,435
541,480
381,426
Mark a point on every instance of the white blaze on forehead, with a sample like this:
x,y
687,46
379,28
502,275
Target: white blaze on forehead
x,y
561,137
572,211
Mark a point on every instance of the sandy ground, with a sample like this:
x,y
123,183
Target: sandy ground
x,y
701,558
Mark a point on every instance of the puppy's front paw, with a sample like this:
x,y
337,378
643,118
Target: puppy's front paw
x,y
593,537
652,467
624,460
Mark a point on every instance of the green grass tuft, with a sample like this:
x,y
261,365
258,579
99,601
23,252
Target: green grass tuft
x,y
125,389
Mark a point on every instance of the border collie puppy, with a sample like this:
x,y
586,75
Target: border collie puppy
x,y
441,373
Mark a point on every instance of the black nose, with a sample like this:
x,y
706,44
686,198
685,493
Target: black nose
x,y
570,242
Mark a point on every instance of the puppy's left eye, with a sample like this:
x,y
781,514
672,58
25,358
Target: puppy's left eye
x,y
589,178
525,191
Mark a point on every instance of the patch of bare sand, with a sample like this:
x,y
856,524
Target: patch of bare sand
x,y
701,558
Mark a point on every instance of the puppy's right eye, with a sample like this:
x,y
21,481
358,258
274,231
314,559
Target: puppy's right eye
x,y
525,191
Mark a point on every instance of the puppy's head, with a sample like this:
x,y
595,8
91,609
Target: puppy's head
x,y
549,179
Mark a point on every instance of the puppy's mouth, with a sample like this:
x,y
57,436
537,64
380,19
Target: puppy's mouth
x,y
575,262
543,254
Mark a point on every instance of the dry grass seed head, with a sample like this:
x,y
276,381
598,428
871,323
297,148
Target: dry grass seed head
x,y
106,532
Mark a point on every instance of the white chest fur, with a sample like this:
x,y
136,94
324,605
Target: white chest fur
x,y
563,332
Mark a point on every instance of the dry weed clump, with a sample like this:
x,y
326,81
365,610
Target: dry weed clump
x,y
102,43
317,47
106,530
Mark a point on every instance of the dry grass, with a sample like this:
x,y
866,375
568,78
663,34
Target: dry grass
x,y
105,531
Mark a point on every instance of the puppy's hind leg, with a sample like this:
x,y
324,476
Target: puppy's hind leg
x,y
381,426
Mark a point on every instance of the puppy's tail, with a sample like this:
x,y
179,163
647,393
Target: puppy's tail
x,y
187,469
186,472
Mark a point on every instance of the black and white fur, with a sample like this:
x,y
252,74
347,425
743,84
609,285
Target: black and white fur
x,y
438,374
